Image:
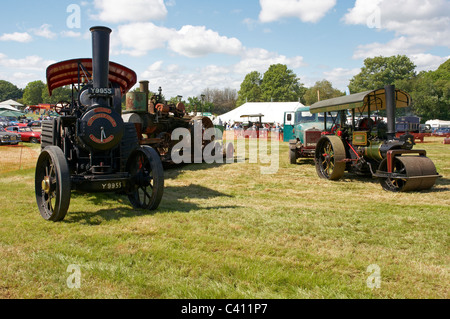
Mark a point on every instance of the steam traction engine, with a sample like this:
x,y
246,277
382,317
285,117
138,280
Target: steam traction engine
x,y
89,148
155,120
369,146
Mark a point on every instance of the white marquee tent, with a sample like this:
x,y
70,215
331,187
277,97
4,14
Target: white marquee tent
x,y
9,105
273,111
435,124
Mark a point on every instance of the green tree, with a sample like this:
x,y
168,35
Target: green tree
x,y
220,101
250,90
58,95
326,91
281,84
430,92
380,71
32,94
9,91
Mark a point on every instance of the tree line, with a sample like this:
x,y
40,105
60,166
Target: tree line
x,y
35,93
430,90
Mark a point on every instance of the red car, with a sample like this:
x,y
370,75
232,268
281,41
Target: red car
x,y
28,135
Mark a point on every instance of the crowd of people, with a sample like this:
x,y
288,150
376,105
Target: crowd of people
x,y
231,125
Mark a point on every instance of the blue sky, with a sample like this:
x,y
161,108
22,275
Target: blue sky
x,y
186,46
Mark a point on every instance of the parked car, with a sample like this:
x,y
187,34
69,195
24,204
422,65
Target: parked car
x,y
3,121
35,125
26,133
7,121
8,138
425,128
443,131
12,120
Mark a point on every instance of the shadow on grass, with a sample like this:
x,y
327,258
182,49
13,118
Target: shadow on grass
x,y
173,170
305,161
175,199
368,179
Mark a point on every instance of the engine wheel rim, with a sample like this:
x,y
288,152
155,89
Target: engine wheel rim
x,y
419,172
147,179
52,185
327,160
395,184
144,180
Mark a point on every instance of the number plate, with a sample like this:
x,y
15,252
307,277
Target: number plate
x,y
101,91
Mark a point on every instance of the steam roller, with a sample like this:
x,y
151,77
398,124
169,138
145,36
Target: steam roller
x,y
369,146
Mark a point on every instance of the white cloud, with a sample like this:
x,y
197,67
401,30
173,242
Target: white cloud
x,y
22,71
260,59
137,39
170,3
29,63
116,11
340,77
176,80
362,11
400,45
305,10
21,79
44,31
16,36
427,62
197,41
70,34
423,22
418,26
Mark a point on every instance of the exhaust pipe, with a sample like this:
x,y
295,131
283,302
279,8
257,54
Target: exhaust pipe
x,y
390,110
100,60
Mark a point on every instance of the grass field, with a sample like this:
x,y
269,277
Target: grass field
x,y
226,231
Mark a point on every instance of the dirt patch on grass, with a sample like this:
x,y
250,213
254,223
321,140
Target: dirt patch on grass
x,y
17,157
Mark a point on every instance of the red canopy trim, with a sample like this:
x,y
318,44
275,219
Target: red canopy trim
x,y
66,73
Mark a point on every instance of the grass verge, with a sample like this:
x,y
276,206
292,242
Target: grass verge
x,y
226,231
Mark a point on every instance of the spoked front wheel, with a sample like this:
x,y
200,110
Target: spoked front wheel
x,y
329,156
147,178
52,184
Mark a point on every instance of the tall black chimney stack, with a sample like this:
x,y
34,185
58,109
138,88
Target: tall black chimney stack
x,y
390,110
100,59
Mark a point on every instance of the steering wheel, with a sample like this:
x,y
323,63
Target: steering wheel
x,y
335,128
61,105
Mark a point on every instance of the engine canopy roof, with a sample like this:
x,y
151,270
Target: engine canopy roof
x,y
72,71
376,99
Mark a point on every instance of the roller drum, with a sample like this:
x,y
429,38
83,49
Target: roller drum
x,y
419,171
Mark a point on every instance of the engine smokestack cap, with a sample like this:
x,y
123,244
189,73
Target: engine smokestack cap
x,y
100,28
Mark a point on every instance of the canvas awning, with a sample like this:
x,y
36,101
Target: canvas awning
x,y
8,107
10,103
10,113
253,115
273,112
67,73
361,102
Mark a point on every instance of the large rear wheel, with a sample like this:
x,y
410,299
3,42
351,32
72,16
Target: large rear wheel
x,y
329,158
147,178
52,184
